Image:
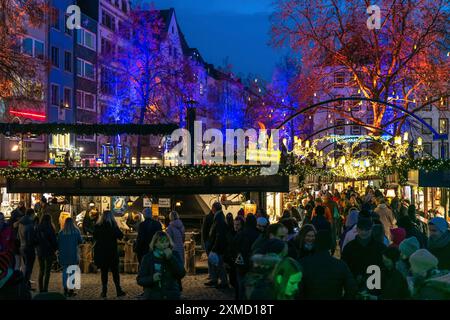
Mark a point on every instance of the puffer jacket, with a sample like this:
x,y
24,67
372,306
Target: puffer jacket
x,y
176,233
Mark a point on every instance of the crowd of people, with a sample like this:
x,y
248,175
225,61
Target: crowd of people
x,y
340,245
335,246
42,232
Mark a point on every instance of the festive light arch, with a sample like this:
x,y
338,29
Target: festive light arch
x,y
436,135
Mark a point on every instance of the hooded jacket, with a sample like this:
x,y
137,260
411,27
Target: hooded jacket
x,y
386,218
176,233
27,232
440,248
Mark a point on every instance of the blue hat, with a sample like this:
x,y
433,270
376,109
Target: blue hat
x,y
440,223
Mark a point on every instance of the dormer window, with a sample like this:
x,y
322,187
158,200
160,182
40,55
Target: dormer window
x,y
124,6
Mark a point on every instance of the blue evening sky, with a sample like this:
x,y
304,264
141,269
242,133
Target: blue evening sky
x,y
237,29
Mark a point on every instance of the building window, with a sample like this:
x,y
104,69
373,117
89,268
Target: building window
x,y
67,97
108,81
175,53
79,99
67,61
356,130
443,126
55,57
428,148
85,101
124,6
85,69
425,130
27,46
124,29
89,102
107,46
202,89
108,21
54,18
355,104
34,48
86,38
55,95
445,146
339,78
340,130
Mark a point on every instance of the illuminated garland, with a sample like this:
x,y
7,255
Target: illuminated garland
x,y
124,173
87,129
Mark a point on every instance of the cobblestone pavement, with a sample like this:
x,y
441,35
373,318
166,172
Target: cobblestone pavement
x,y
193,287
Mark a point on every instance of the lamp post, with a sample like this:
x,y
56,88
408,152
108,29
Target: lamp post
x,y
190,117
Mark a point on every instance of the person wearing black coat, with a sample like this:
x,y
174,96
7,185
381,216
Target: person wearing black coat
x,y
106,256
206,228
218,245
320,222
161,270
47,245
243,243
412,230
324,276
362,252
146,230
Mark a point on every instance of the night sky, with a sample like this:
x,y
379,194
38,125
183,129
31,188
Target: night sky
x,y
237,29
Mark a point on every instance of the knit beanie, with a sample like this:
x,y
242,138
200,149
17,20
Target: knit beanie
x,y
422,261
398,235
440,223
409,246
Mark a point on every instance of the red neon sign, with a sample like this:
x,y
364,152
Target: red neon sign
x,y
31,115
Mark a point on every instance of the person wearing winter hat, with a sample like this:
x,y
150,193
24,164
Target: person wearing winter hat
x,y
397,236
146,230
393,284
407,247
261,224
439,241
425,282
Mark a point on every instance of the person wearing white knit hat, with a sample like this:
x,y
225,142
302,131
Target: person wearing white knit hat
x,y
428,283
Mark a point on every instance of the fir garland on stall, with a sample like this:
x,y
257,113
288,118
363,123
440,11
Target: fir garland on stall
x,y
124,173
87,129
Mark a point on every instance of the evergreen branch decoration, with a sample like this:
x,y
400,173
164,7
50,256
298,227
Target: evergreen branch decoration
x,y
87,129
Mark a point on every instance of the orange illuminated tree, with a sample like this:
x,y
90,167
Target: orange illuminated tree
x,y
402,62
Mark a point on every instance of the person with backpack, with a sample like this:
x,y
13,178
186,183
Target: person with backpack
x,y
27,236
242,244
69,238
427,281
146,231
161,270
47,245
106,256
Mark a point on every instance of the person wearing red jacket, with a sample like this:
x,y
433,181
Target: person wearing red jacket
x,y
7,239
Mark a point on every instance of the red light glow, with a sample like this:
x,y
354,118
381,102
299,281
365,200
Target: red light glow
x,y
31,115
